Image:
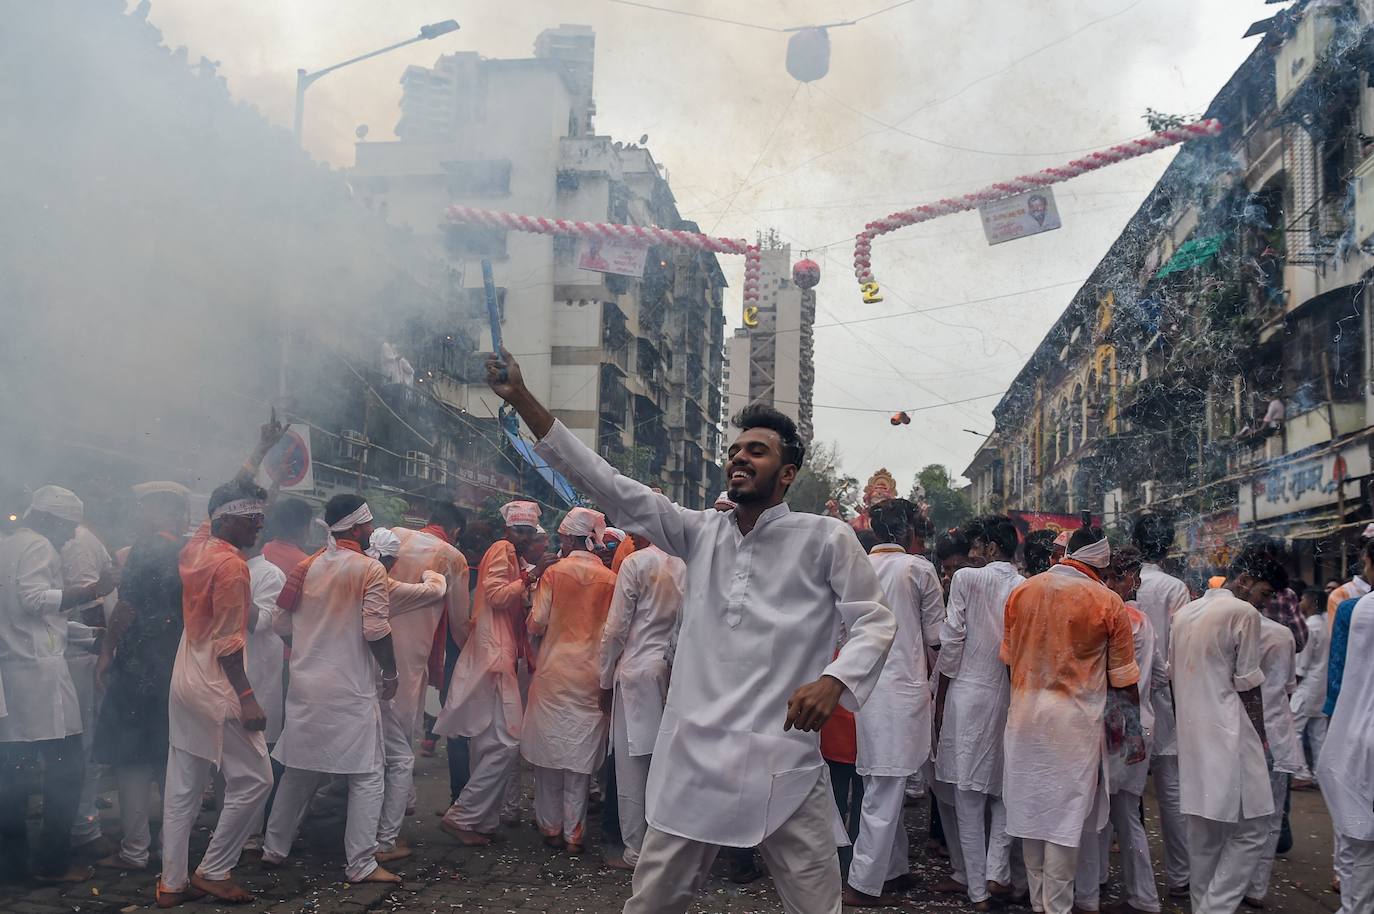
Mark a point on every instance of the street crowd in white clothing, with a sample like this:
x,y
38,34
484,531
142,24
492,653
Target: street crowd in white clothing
x,y
715,658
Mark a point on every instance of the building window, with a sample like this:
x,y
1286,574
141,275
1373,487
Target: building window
x,y
465,240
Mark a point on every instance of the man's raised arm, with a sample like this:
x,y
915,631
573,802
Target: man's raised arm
x,y
634,505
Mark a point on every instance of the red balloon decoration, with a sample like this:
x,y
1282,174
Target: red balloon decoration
x,y
900,419
806,274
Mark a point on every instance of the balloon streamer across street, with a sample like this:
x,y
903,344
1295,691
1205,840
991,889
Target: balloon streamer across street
x,y
863,242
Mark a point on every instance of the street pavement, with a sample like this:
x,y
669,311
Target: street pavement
x,y
519,874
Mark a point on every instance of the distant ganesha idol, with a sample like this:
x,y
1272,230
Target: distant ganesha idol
x,y
882,486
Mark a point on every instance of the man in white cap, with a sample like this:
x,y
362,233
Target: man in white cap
x,y
634,676
971,699
756,675
134,672
564,733
44,718
413,628
1214,661
335,608
1067,643
214,719
483,701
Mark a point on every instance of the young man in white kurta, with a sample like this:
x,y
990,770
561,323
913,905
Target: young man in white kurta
x,y
1214,654
1160,597
1309,698
892,729
333,712
1345,770
972,698
737,760
1278,662
634,669
412,633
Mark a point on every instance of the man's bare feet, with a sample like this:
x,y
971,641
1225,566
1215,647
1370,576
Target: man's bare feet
x,y
271,863
618,863
75,873
465,837
981,906
399,852
166,899
853,898
554,841
574,850
381,874
226,890
117,861
948,886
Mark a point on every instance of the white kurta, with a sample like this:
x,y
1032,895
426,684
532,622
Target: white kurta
x,y
1214,654
1310,695
761,618
265,651
333,717
1154,675
1160,597
1346,767
634,643
413,625
84,560
40,696
969,754
1277,652
892,729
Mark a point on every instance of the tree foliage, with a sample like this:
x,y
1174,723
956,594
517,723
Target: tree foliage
x,y
821,480
946,506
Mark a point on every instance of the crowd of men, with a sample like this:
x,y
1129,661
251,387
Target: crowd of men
x,y
747,678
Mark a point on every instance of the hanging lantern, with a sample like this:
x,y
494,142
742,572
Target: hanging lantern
x,y
900,419
808,55
806,273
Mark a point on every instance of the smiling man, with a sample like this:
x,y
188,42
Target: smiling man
x,y
737,761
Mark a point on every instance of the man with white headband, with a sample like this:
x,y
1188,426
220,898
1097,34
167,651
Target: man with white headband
x,y
971,710
214,717
335,608
44,719
418,556
756,675
1214,659
1067,643
634,668
564,735
483,701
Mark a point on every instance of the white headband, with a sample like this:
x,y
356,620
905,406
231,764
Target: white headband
x,y
239,507
360,516
1098,554
384,544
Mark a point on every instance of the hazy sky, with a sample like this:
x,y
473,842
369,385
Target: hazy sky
x,y
1014,86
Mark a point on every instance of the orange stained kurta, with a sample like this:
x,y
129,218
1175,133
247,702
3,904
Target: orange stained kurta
x,y
413,633
216,597
622,552
564,726
1067,637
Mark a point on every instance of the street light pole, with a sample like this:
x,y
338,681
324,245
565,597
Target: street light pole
x,y
304,79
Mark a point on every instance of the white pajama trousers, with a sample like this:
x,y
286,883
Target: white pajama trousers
x,y
297,787
800,855
1172,823
1355,868
1314,728
400,775
1223,857
560,803
986,850
134,784
1137,873
1050,869
880,850
943,795
493,757
86,828
631,780
247,782
1259,881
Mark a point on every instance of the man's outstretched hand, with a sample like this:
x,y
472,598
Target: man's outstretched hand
x,y
503,375
811,705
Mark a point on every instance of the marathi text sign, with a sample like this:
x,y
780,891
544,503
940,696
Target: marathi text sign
x,y
1303,484
1016,217
608,256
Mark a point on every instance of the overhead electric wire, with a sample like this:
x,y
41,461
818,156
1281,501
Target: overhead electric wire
x,y
691,15
768,141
